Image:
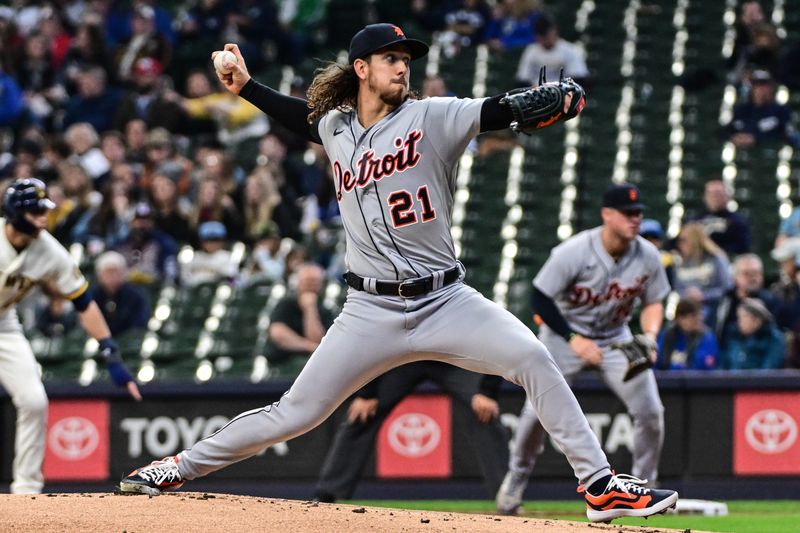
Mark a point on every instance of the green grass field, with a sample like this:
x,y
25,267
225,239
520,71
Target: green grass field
x,y
744,516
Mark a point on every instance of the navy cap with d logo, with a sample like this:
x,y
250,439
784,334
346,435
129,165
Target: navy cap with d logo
x,y
376,36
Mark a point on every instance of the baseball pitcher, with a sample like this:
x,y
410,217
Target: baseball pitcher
x,y
584,295
30,256
394,162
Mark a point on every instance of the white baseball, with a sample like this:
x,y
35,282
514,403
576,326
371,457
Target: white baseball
x,y
225,56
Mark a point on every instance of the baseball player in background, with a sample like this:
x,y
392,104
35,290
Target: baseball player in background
x,y
394,162
583,296
30,256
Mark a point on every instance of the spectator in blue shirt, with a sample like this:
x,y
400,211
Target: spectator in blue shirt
x,y
163,18
728,229
512,25
761,119
755,342
11,102
151,253
789,227
124,306
95,102
687,343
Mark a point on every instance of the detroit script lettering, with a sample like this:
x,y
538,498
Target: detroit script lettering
x,y
625,296
376,168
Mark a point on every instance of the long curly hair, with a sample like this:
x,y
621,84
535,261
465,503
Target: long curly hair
x,y
335,86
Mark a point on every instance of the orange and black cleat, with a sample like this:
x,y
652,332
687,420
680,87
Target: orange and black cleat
x,y
153,479
627,496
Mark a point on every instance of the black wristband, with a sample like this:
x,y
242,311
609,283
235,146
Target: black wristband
x,y
494,116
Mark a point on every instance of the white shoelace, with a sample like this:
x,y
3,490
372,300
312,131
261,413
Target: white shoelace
x,y
160,471
627,484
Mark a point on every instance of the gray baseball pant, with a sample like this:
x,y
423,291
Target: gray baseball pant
x,y
373,334
640,396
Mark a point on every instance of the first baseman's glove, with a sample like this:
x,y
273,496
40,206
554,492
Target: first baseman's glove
x,y
541,106
109,353
638,353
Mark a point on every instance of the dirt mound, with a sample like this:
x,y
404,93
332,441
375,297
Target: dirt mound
x,y
194,511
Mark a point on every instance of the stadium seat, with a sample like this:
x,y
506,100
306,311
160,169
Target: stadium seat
x,y
60,357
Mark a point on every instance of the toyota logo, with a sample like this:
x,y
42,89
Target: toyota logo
x,y
73,438
414,435
771,431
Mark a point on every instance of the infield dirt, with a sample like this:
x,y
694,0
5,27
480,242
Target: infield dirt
x,y
205,512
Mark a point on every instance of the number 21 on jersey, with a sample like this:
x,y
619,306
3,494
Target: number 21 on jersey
x,y
401,207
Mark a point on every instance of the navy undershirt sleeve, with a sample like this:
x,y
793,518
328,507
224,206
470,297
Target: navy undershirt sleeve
x,y
546,308
292,113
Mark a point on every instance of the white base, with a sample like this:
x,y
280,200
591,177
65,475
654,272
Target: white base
x,y
700,507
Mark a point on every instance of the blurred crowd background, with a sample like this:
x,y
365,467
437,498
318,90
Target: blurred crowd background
x,y
164,180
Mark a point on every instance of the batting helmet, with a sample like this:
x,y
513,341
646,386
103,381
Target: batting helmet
x,y
27,195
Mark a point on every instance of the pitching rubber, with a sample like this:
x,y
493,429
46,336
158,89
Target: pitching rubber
x,y
137,488
607,516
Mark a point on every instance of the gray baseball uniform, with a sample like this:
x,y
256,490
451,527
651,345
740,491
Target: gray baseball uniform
x,y
43,262
395,184
596,295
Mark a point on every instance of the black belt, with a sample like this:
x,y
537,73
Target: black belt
x,y
408,288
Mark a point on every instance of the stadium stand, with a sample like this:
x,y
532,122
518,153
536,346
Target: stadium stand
x,y
659,98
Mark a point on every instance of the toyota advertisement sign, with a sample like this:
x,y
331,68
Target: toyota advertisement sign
x,y
766,433
77,441
414,441
710,434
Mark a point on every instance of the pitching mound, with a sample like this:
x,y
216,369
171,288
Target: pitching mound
x,y
194,511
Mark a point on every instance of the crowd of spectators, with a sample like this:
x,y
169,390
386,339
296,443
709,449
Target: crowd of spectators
x,y
758,62
114,105
725,317
156,170
110,103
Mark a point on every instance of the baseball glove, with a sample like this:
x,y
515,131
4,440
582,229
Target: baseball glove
x,y
543,105
638,352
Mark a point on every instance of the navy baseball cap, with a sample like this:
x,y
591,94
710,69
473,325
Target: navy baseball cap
x,y
623,197
376,36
